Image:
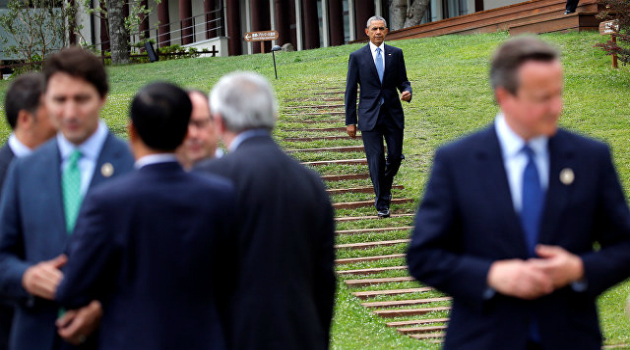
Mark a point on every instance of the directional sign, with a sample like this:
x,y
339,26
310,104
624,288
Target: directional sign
x,y
609,27
267,35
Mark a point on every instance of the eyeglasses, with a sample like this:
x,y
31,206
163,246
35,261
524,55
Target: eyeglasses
x,y
378,28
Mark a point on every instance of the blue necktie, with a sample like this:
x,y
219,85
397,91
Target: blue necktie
x,y
533,198
379,64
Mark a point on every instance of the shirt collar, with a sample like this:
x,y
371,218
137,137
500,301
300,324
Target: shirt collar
x,y
90,148
246,135
373,47
512,144
155,159
19,149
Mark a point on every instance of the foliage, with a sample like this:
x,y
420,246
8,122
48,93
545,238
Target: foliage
x,y
37,27
620,11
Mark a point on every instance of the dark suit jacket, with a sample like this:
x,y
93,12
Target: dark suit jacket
x,y
156,247
286,281
466,221
6,308
6,157
33,229
362,71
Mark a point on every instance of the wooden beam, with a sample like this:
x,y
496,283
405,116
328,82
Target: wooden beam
x,y
371,244
375,293
374,230
372,281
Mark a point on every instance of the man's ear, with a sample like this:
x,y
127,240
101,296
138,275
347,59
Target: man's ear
x,y
25,119
219,125
133,133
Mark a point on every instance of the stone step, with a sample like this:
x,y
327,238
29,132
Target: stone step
x,y
375,293
327,149
332,178
339,161
416,322
367,245
371,271
421,330
427,336
321,138
371,217
373,281
361,204
405,302
369,258
338,105
410,312
373,230
366,189
336,128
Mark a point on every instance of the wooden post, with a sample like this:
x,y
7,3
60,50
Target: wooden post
x,y
262,47
614,56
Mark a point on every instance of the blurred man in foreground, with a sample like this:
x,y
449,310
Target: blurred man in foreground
x,y
286,282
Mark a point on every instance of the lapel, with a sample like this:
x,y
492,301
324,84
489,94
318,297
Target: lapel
x,y
561,156
108,158
494,183
50,187
387,52
370,62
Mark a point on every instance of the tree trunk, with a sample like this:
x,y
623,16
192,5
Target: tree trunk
x,y
117,32
416,12
397,14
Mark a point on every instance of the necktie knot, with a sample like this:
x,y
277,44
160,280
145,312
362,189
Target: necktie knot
x,y
528,151
74,157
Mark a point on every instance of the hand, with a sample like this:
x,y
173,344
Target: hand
x,y
76,325
519,279
352,130
43,279
406,96
561,266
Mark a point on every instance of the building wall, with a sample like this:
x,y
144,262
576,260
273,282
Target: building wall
x,y
492,4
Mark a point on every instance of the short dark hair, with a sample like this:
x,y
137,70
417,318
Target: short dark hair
x,y
512,55
25,93
78,63
160,113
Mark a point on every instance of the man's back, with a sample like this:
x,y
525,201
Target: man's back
x,y
286,255
157,243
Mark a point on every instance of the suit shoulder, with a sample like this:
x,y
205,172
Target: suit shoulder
x,y
212,181
580,141
393,48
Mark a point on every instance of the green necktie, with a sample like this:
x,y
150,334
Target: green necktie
x,y
71,187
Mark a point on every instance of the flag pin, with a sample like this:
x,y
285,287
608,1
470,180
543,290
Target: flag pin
x,y
567,176
107,169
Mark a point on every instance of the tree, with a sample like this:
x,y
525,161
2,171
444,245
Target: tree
x,y
406,13
118,34
620,11
35,28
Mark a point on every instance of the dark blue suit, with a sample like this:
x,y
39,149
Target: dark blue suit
x,y
467,221
156,248
6,307
33,229
375,120
286,280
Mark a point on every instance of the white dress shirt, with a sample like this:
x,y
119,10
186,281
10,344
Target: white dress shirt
x,y
155,159
90,151
19,149
515,160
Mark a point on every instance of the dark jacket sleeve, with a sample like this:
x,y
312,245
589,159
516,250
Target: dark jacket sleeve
x,y
434,256
12,264
352,81
404,84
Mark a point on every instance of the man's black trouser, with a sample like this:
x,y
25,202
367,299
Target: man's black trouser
x,y
382,171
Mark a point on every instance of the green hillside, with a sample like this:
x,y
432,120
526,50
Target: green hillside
x,y
452,97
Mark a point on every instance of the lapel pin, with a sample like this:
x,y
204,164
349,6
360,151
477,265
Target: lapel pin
x,y
567,176
107,170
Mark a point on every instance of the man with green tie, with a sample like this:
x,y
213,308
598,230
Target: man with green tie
x,y
43,197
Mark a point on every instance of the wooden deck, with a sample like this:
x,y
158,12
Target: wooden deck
x,y
535,16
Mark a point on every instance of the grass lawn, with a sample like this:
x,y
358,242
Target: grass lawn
x,y
452,97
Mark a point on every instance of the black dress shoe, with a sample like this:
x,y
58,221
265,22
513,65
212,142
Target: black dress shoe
x,y
567,12
382,214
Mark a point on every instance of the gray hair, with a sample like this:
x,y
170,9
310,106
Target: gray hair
x,y
375,18
512,55
244,100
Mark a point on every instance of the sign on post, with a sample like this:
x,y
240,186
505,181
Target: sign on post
x,y
267,35
610,28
